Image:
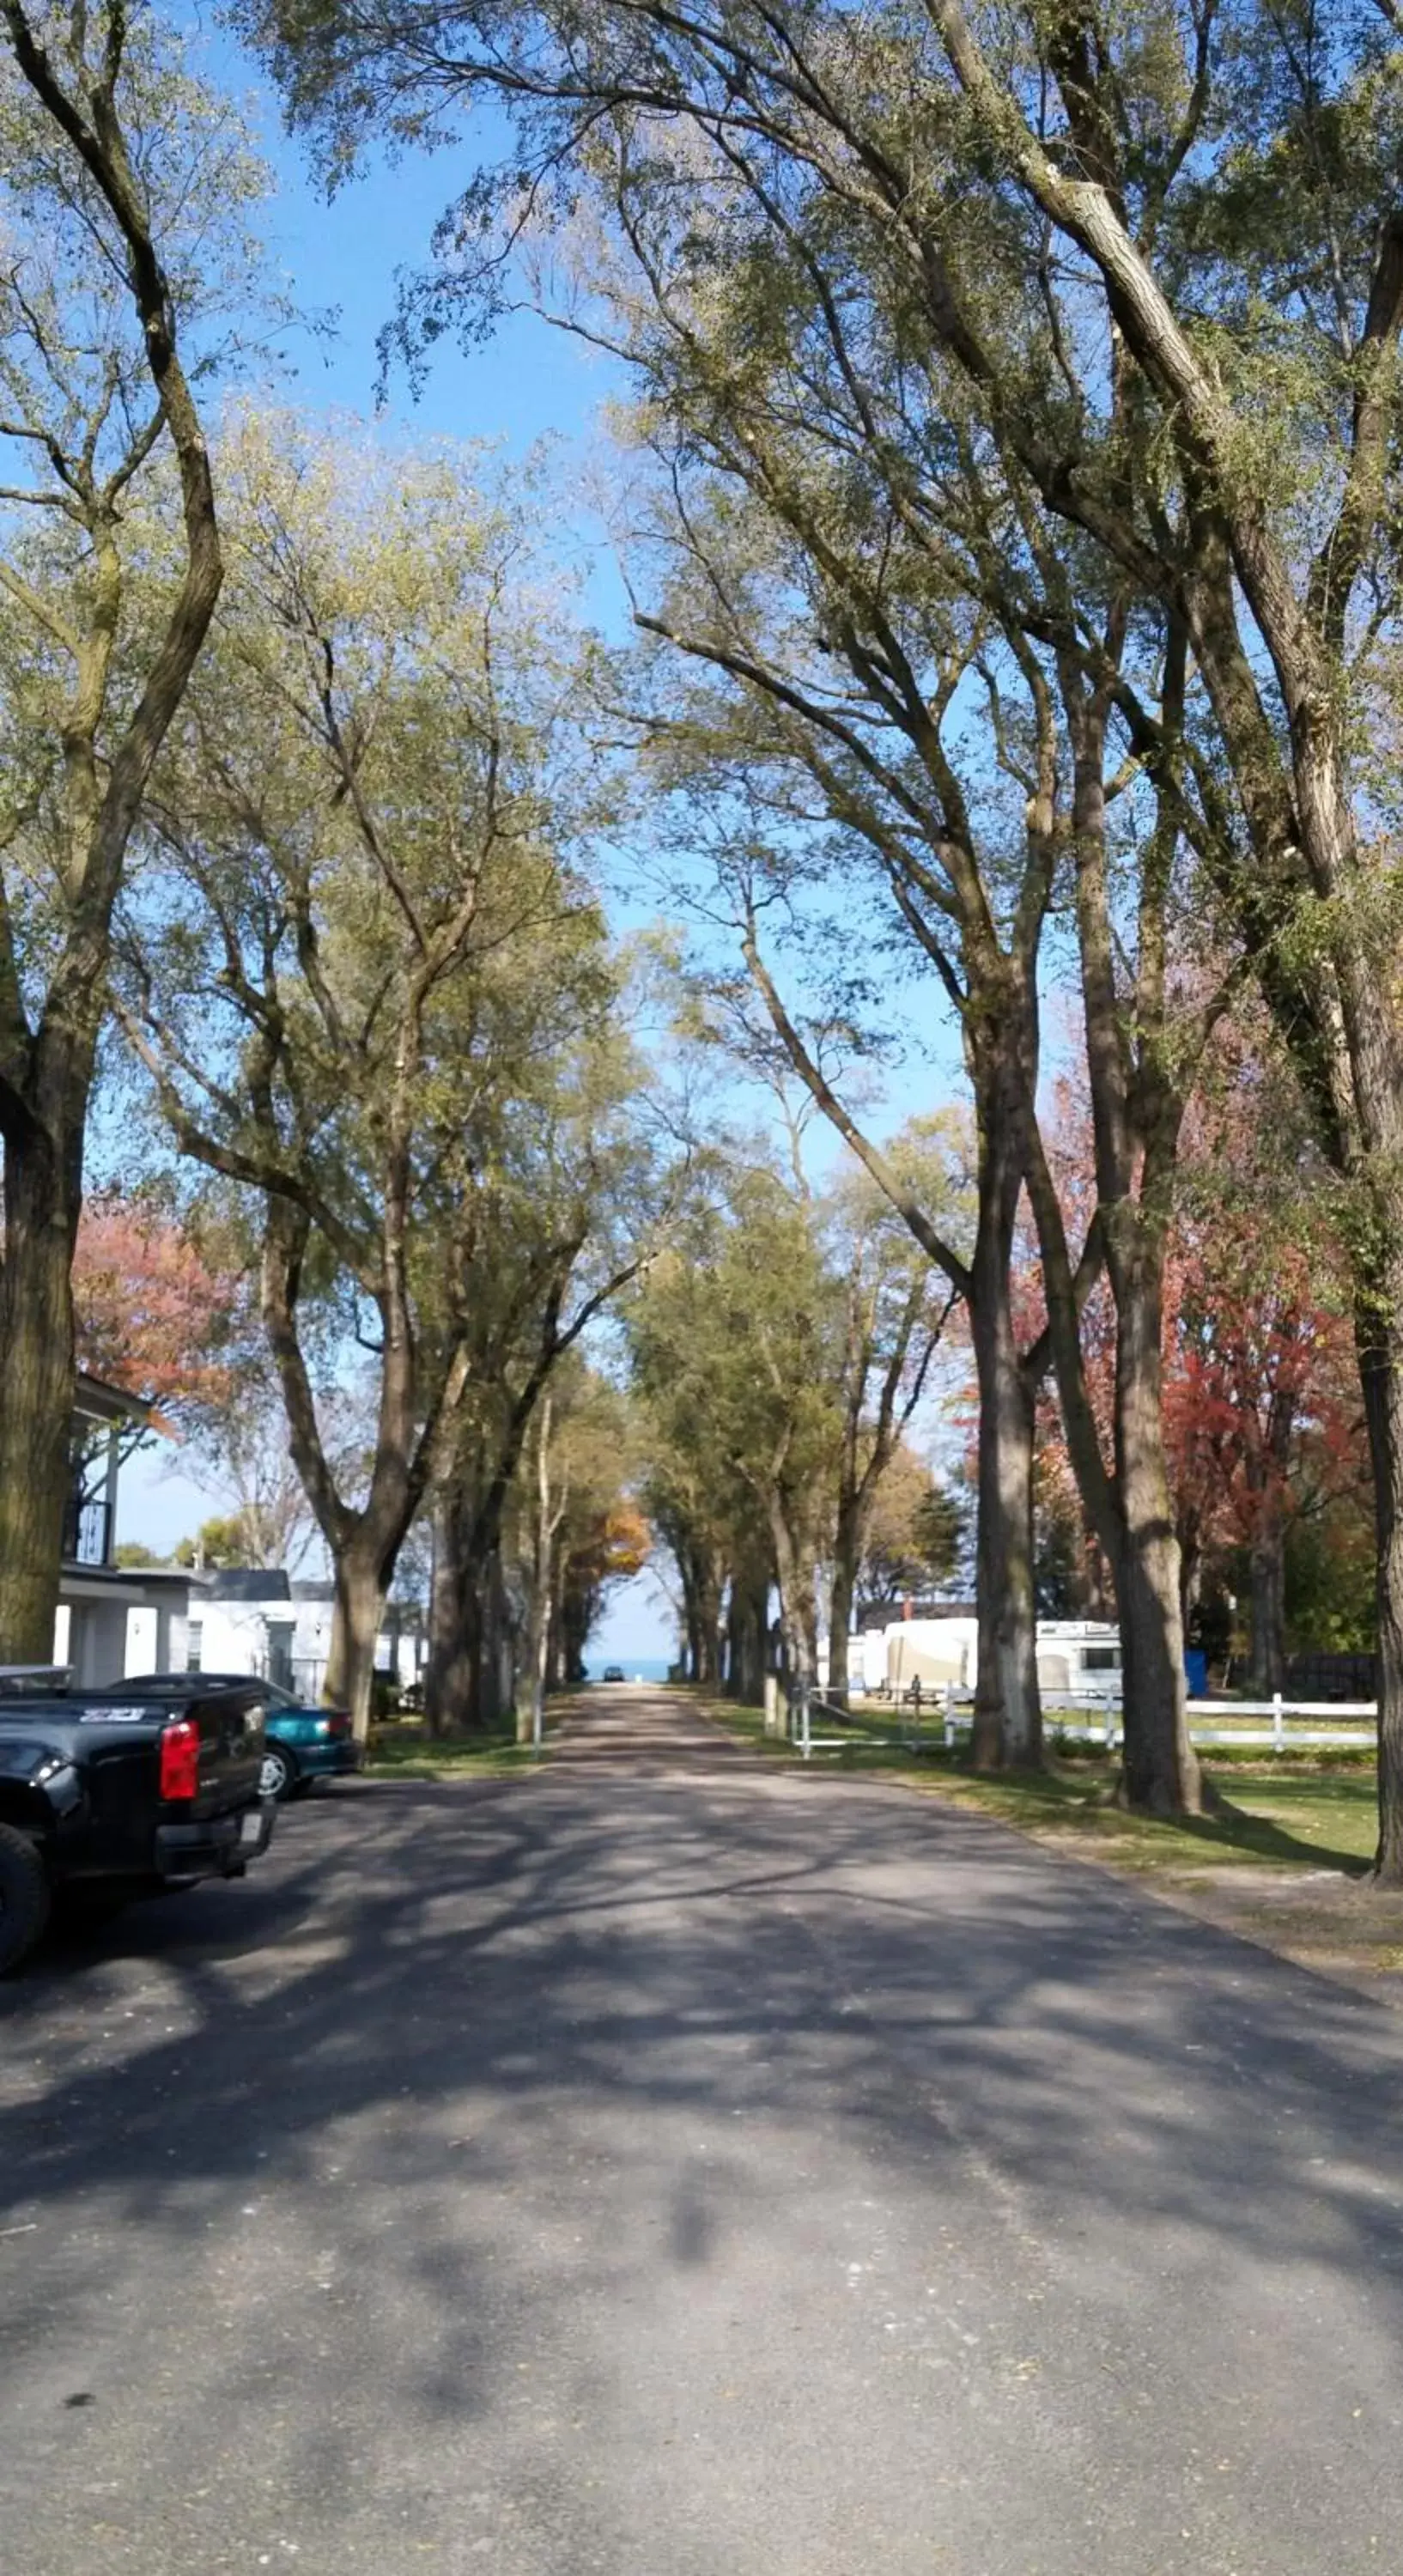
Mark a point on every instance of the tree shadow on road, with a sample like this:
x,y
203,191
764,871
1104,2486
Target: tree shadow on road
x,y
430,1982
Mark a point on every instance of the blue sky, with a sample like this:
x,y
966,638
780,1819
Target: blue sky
x,y
527,383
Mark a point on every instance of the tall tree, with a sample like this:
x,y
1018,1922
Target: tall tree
x,y
1154,256
777,1361
730,1343
824,747
582,1196
895,1311
576,1532
360,948
125,182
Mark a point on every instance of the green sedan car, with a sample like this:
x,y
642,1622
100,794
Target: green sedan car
x,y
302,1743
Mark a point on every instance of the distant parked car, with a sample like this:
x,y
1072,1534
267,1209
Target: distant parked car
x,y
613,1672
304,1744
301,1743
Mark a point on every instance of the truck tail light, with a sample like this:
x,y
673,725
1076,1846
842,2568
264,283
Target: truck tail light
x,y
180,1758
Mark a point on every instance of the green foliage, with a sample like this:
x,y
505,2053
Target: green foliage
x,y
84,452
776,1356
916,1541
1330,1594
365,967
734,1340
229,1538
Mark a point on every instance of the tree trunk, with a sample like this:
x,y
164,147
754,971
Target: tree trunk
x,y
691,1638
707,1651
1267,1584
796,1613
1161,1767
1380,1347
701,1611
498,1643
448,1681
355,1625
1007,1704
840,1611
36,1414
574,1618
749,1637
531,1687
1190,1565
735,1621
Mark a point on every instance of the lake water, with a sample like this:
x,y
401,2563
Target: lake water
x,y
635,1668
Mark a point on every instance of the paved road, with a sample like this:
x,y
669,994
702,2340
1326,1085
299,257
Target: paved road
x,y
673,2167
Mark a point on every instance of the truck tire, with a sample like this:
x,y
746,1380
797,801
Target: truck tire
x,y
24,1897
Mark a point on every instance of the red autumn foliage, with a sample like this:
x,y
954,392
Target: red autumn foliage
x,y
1261,1398
152,1316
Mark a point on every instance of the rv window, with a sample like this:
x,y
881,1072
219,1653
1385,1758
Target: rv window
x,y
1100,1659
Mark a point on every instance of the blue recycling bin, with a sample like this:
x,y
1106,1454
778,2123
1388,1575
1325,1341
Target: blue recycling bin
x,y
1196,1671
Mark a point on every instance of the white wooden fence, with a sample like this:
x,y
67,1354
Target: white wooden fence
x,y
1091,1721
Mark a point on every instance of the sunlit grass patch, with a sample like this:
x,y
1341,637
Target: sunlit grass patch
x,y
404,1750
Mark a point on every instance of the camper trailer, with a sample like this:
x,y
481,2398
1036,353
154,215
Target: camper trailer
x,y
1079,1663
1078,1659
933,1652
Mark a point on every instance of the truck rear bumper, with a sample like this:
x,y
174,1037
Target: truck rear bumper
x,y
218,1846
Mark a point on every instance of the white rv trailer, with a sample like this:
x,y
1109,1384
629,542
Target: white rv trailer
x,y
932,1652
1078,1659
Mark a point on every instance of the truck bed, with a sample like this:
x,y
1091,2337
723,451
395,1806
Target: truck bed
x,y
113,1787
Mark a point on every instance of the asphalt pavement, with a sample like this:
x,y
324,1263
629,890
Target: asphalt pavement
x,y
671,2165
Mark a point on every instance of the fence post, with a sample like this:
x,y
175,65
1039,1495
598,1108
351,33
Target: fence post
x,y
771,1705
949,1717
1278,1729
804,1735
1110,1730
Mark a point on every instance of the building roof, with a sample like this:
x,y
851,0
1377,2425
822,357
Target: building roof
x,y
246,1583
78,1582
103,1403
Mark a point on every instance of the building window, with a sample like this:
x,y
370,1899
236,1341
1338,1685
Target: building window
x,y
194,1646
1101,1659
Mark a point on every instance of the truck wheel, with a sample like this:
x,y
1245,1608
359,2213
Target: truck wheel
x,y
24,1896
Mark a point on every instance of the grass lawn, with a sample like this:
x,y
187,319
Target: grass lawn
x,y
1286,1815
403,1751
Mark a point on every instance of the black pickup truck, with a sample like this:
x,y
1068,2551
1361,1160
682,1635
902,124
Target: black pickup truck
x,y
108,1795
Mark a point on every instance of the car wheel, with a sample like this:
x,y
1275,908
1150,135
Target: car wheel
x,y
24,1896
278,1775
